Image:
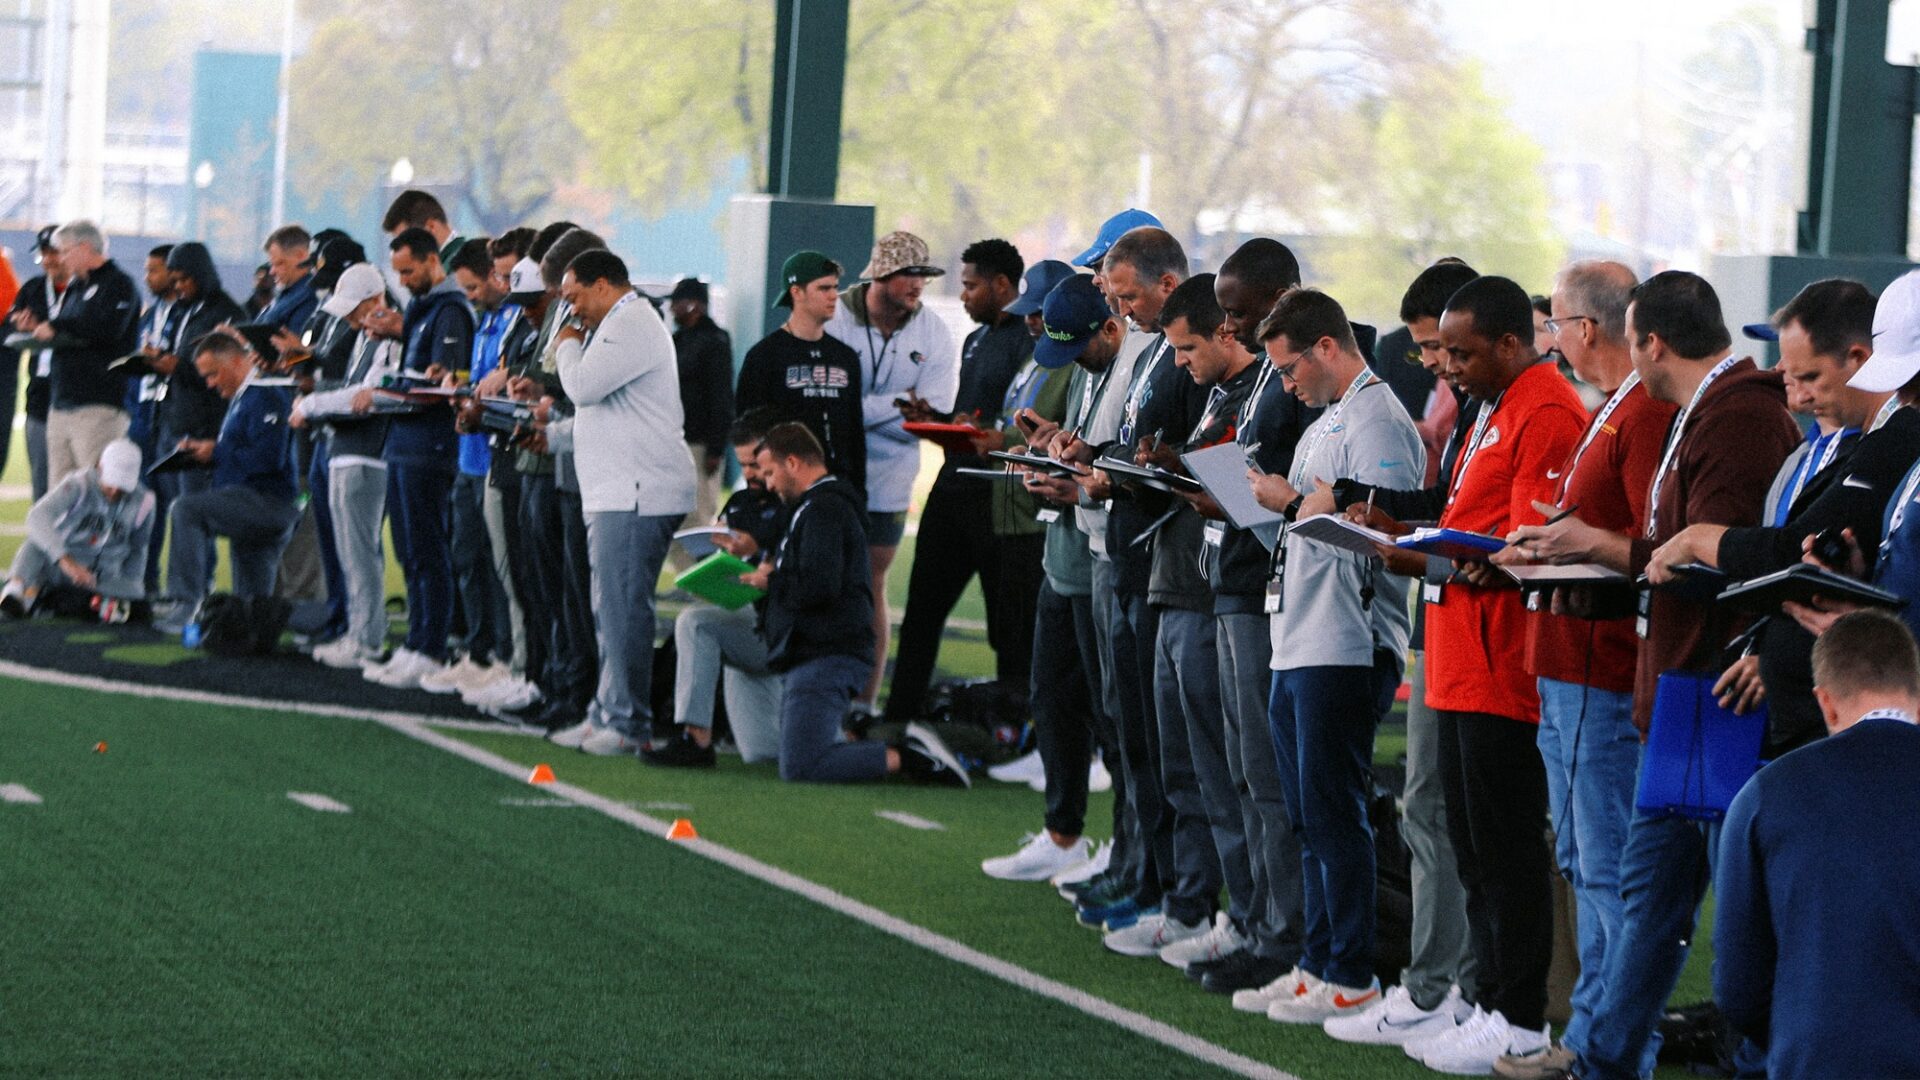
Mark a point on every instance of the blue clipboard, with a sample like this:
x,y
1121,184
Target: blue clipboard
x,y
1698,755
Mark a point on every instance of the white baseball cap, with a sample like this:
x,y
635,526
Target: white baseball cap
x,y
1896,338
525,285
358,283
120,465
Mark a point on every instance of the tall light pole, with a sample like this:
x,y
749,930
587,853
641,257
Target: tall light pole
x,y
279,215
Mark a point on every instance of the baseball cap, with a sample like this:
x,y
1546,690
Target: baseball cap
x,y
357,283
319,244
120,465
1896,338
1073,313
1759,331
335,254
1040,279
1116,227
900,252
524,284
802,267
688,289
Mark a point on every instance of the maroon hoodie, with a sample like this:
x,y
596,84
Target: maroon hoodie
x,y
1727,457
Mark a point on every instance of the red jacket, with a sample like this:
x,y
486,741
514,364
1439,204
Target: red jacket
x,y
1477,638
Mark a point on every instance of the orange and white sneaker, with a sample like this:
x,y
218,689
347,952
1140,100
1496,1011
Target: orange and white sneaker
x,y
1293,984
1323,1002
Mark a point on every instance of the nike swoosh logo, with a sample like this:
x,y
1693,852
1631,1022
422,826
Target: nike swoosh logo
x,y
1342,1001
1389,464
1553,474
1856,482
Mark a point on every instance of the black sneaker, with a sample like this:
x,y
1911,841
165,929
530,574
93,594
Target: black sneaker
x,y
1242,971
924,757
679,752
553,715
13,604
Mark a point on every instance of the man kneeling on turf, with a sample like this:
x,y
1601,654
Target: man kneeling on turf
x,y
818,623
89,533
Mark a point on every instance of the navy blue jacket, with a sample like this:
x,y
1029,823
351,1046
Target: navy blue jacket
x,y
1816,947
438,330
293,307
820,597
252,449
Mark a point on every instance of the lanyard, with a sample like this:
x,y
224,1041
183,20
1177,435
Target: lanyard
x,y
1901,715
806,500
1480,424
1673,441
879,354
1303,461
617,305
1251,407
1593,431
1900,509
1130,412
1885,414
1818,457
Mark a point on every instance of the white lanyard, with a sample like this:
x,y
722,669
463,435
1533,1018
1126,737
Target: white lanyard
x,y
806,500
1901,715
1251,407
1593,431
1900,509
1885,414
617,305
1473,444
1304,461
1673,441
1829,447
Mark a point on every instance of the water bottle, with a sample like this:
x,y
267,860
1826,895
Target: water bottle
x,y
190,633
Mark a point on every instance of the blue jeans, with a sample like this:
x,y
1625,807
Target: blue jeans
x,y
417,508
1592,754
813,704
1323,721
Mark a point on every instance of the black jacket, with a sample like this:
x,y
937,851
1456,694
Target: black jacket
x,y
820,597
704,355
1243,563
33,297
102,313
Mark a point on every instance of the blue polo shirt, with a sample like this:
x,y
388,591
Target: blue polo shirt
x,y
475,455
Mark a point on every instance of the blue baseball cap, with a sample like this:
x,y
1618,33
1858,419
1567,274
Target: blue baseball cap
x,y
1760,331
1040,280
1074,312
1117,226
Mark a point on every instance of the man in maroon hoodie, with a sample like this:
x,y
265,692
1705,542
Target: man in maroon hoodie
x,y
1730,436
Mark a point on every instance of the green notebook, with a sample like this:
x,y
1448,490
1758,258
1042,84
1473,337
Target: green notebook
x,y
716,579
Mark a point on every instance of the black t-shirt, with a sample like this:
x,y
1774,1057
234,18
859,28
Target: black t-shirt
x,y
816,383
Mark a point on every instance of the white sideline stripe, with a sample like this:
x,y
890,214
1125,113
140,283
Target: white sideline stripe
x,y
541,803
663,805
415,728
911,821
18,793
314,801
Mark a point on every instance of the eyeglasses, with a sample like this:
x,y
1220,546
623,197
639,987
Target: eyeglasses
x,y
1286,371
1554,326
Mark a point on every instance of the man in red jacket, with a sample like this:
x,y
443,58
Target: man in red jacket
x,y
1488,706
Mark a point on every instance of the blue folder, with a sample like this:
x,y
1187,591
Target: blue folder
x,y
1698,755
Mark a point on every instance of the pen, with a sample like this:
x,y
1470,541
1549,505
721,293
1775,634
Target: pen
x,y
1370,492
1555,519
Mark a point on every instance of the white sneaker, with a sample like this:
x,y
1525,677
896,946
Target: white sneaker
x,y
606,742
572,737
1222,940
1096,863
1151,934
1021,770
1293,984
1323,1001
343,653
1472,1049
1038,859
1395,1020
500,690
405,670
450,679
485,676
1098,778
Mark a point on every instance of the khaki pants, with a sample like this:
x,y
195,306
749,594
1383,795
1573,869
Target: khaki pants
x,y
75,437
706,502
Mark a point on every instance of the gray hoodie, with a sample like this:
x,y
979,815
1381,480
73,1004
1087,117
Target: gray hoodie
x,y
108,538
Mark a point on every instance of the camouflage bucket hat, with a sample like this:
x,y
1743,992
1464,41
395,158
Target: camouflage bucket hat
x,y
900,253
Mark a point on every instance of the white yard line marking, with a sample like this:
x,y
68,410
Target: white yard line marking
x,y
313,801
18,793
911,821
663,805
417,728
543,803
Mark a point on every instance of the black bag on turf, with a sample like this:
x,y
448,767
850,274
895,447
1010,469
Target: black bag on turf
x,y
1393,888
237,626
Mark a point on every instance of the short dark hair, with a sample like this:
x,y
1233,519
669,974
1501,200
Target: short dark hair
x,y
1542,305
995,256
1865,651
160,252
559,256
1498,307
287,238
1263,264
514,242
793,439
751,426
218,344
1427,297
597,265
1304,316
1836,313
412,209
544,239
417,242
1153,253
473,258
1193,300
1684,310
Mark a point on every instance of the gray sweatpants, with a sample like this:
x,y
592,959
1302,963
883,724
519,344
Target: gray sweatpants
x,y
625,550
1209,839
1441,955
357,499
1273,851
715,649
495,510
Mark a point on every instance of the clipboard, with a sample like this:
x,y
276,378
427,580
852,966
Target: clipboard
x,y
701,541
176,460
1544,575
1157,479
1460,545
1698,754
947,436
1222,471
1050,466
716,579
1800,583
986,474
260,338
1335,530
1695,581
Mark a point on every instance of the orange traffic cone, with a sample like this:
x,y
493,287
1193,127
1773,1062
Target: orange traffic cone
x,y
682,830
100,747
542,774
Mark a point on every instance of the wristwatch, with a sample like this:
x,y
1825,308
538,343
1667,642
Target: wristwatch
x,y
1293,508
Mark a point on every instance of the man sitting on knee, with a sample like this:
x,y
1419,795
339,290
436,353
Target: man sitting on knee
x,y
90,533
